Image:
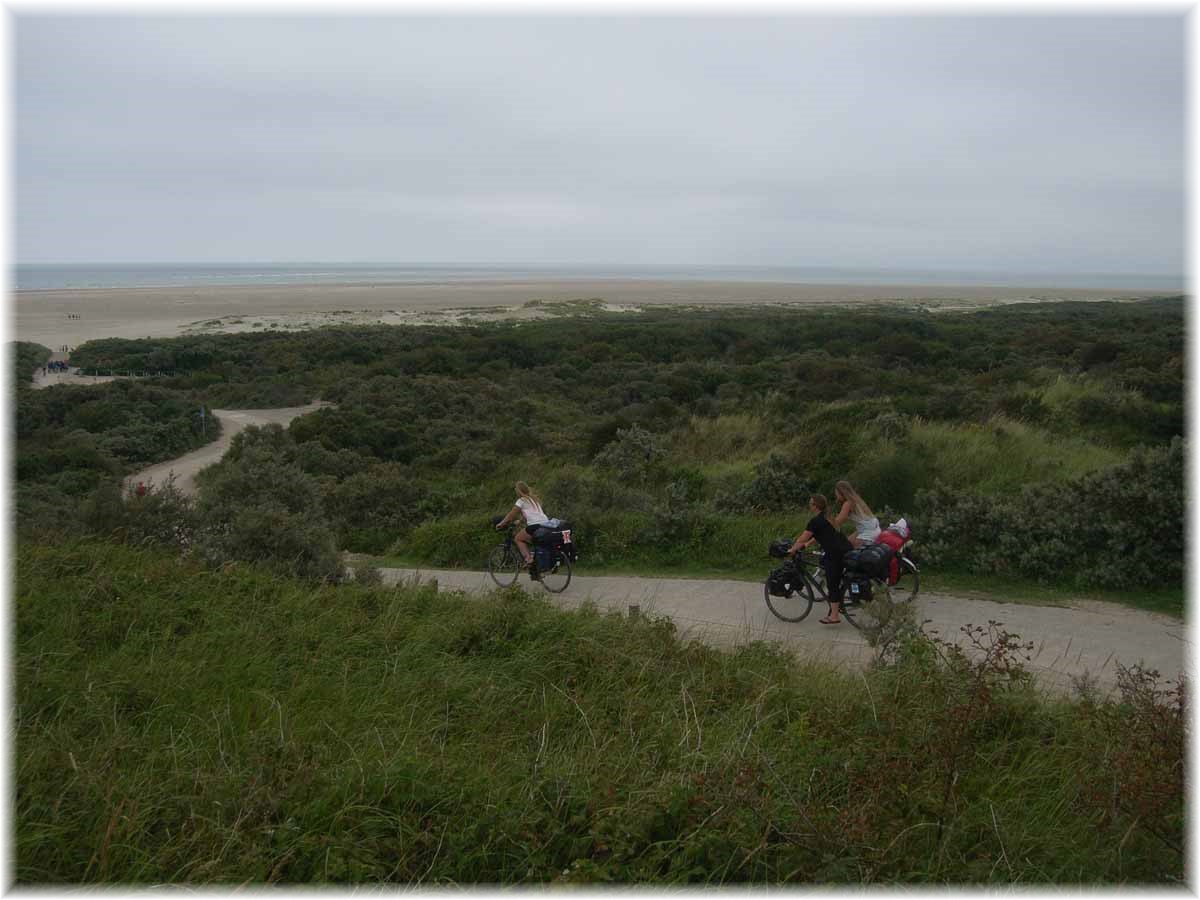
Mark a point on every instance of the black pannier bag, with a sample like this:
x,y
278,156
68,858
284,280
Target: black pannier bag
x,y
871,558
783,581
856,586
549,540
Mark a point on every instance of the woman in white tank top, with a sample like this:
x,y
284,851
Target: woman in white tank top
x,y
854,508
528,507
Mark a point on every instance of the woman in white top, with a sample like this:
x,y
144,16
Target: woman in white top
x,y
529,507
854,508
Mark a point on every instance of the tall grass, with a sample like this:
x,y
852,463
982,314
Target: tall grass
x,y
1002,455
176,725
731,436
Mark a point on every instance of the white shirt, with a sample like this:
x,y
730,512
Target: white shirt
x,y
532,511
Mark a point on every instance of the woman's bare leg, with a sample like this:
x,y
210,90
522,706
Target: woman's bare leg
x,y
522,539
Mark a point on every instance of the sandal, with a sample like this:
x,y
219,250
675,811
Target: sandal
x,y
828,621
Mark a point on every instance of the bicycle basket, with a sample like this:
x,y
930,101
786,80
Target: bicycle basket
x,y
778,548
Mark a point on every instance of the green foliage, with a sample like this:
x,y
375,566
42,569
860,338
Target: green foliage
x,y
1119,526
761,406
26,358
257,505
163,517
75,442
175,725
634,456
778,484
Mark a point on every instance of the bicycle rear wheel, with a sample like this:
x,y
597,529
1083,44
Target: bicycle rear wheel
x,y
504,564
555,580
908,582
796,605
877,612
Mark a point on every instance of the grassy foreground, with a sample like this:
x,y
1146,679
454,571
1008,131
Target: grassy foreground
x,y
175,724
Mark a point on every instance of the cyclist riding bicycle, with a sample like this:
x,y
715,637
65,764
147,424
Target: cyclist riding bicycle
x,y
528,507
835,546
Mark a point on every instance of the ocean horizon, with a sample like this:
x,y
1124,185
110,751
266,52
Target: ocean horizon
x,y
83,276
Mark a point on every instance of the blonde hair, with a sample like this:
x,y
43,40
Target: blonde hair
x,y
524,491
846,491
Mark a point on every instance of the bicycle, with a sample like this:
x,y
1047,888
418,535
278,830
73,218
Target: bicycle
x,y
801,581
505,563
791,589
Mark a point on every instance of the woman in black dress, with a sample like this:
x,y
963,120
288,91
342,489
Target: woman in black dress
x,y
834,544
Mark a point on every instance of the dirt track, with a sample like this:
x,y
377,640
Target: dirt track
x,y
232,421
1087,637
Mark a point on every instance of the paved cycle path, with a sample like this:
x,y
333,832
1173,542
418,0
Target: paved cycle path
x,y
1088,637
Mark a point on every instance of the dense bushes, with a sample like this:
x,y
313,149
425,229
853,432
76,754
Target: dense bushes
x,y
257,505
26,357
760,407
1121,527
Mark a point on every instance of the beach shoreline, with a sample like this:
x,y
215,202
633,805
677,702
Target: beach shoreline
x,y
56,317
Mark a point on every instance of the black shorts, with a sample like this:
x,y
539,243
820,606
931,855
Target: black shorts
x,y
534,530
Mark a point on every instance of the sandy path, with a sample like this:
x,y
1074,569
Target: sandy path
x,y
232,421
1087,637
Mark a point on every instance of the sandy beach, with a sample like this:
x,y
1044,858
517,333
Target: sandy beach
x,y
71,317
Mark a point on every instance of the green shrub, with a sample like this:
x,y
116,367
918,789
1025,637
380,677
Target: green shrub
x,y
779,483
258,506
1121,525
635,454
164,516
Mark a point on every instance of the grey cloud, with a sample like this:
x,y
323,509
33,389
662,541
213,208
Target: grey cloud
x,y
906,140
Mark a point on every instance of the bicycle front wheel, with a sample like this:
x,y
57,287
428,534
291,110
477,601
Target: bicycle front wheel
x,y
555,580
796,605
504,564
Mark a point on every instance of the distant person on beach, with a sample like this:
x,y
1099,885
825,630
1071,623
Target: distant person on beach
x,y
528,507
141,489
854,508
835,546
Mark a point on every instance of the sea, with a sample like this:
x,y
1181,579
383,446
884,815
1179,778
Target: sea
x,y
41,276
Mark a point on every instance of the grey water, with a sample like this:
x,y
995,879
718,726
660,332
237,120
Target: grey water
x,y
33,277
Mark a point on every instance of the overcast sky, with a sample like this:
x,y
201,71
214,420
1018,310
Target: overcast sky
x,y
1024,143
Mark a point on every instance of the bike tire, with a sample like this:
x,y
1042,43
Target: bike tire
x,y
504,565
908,583
555,580
850,613
796,606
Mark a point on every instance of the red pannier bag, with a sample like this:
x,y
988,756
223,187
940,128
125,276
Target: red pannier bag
x,y
894,541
